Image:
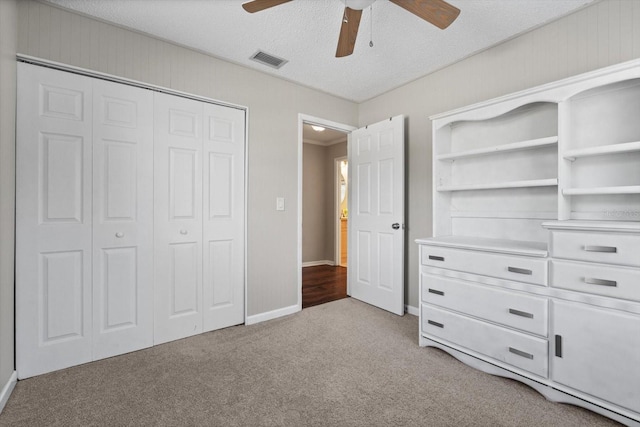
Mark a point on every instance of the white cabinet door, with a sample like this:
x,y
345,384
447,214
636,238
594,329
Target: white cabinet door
x,y
122,219
597,351
178,217
53,220
376,214
223,219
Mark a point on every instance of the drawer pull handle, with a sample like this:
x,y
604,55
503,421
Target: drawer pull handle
x,y
606,249
439,325
436,258
435,291
521,313
520,270
558,345
520,353
601,282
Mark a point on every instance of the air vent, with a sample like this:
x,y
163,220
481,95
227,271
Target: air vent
x,y
268,59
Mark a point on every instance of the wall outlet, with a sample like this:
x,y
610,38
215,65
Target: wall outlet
x,y
279,203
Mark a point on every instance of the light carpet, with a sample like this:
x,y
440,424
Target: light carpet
x,y
343,363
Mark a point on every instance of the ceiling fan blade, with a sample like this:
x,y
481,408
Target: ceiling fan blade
x,y
258,5
438,12
348,32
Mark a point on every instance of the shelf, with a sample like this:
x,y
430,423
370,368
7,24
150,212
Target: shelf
x,y
513,247
516,146
501,185
627,147
628,189
505,215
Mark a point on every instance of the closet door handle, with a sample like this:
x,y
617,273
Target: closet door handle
x,y
119,235
520,270
606,249
521,353
435,291
395,226
600,282
183,232
436,258
439,325
521,313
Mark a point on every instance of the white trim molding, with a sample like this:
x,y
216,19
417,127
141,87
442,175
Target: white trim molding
x,y
409,309
8,389
316,263
270,315
302,119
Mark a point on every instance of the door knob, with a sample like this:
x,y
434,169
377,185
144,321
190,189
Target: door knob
x,y
183,231
395,226
119,235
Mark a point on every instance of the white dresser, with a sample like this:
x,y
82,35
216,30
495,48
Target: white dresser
x,y
533,272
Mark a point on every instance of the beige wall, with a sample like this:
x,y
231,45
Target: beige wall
x,y
8,33
318,201
274,104
603,34
314,189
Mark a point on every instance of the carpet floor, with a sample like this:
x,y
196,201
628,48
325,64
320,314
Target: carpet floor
x,y
344,363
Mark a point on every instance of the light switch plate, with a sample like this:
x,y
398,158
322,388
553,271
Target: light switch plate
x,y
279,203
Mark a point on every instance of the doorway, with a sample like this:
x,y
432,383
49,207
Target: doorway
x,y
323,212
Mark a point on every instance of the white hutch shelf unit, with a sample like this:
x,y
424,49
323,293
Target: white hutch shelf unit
x,y
533,272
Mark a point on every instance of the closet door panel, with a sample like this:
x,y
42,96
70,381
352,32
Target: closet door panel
x,y
223,222
122,219
178,217
53,220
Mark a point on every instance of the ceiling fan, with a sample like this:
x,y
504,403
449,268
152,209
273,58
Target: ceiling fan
x,y
437,12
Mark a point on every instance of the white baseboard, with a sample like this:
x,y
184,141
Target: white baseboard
x,y
7,389
263,317
315,263
411,310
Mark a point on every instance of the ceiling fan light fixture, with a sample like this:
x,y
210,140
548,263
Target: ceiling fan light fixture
x,y
357,4
317,128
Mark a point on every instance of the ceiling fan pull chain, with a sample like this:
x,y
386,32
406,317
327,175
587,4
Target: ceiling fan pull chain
x,y
371,27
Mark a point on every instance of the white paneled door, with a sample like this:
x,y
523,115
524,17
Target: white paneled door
x,y
223,219
376,214
199,217
122,219
130,224
84,261
178,217
53,220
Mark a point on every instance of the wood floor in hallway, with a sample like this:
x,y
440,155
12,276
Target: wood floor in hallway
x,y
323,283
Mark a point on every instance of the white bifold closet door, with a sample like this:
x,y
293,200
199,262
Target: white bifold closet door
x,y
84,220
199,217
122,219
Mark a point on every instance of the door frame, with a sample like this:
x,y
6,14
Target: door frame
x,y
312,120
336,223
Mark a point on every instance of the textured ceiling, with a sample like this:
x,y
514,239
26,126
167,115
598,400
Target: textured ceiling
x,y
305,32
325,137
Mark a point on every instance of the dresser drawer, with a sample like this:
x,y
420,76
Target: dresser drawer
x,y
521,269
599,279
608,248
523,351
513,309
